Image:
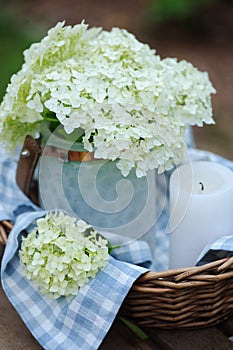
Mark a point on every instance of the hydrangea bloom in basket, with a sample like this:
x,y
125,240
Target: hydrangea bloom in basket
x,y
62,254
107,93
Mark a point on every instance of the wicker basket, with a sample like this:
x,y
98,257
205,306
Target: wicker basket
x,y
179,298
5,228
185,297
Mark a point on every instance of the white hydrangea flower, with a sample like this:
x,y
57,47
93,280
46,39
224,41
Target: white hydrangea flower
x,y
113,87
62,254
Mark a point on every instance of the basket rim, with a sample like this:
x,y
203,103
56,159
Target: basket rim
x,y
219,267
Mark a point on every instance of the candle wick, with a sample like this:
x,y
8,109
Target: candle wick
x,y
202,186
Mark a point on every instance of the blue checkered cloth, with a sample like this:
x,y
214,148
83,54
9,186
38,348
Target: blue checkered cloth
x,y
74,323
81,322
78,323
12,200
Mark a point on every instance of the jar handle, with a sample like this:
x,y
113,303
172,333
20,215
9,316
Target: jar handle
x,y
27,162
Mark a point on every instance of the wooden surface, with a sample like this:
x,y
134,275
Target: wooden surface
x,y
15,336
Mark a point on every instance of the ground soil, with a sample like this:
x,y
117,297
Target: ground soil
x,y
205,40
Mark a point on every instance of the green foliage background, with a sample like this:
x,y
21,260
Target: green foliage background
x,y
15,37
162,10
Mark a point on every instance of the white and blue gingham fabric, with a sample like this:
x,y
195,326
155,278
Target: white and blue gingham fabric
x,y
78,323
12,200
81,322
222,248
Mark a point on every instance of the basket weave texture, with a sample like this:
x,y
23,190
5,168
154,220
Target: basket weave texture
x,y
180,298
5,228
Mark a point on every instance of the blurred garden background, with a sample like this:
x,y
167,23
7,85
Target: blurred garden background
x,y
199,31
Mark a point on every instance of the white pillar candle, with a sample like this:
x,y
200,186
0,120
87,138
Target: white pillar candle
x,y
201,209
